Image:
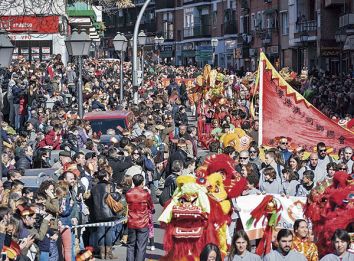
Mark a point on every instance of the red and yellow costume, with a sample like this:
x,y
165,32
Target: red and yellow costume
x,y
306,247
331,208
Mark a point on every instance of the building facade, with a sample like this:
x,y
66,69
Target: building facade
x,y
293,33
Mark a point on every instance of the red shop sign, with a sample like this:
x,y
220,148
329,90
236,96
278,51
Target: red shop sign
x,y
33,24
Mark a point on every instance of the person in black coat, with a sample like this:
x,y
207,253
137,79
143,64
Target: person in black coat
x,y
179,154
24,158
119,164
101,212
181,117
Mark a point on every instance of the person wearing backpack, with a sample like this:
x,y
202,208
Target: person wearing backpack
x,y
170,182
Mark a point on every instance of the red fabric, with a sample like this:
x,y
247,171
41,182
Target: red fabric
x,y
286,115
23,104
330,210
139,206
183,249
51,139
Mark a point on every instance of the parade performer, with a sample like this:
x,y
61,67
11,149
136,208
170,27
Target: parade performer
x,y
301,241
330,209
223,163
192,219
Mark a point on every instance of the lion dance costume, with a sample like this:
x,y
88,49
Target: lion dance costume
x,y
199,210
331,207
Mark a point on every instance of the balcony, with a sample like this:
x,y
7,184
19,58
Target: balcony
x,y
333,2
197,31
308,27
346,20
81,9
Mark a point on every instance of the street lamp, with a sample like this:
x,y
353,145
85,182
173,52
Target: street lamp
x,y
158,41
340,37
214,44
142,41
6,51
304,37
78,44
120,43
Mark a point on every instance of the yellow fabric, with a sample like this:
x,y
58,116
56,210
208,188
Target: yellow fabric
x,y
189,188
215,183
306,247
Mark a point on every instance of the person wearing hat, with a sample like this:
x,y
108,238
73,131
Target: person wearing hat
x,y
64,158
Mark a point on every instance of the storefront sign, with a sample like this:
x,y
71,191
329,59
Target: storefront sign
x,y
20,24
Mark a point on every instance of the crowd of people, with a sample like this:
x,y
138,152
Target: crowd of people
x,y
94,182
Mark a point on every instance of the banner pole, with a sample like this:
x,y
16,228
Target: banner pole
x,y
260,95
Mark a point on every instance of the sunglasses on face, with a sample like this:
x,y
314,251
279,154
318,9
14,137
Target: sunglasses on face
x,y
284,143
253,151
243,158
343,169
323,150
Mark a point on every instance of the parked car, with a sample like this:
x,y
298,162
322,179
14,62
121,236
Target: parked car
x,y
101,121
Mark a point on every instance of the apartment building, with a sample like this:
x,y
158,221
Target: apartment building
x,y
294,33
189,26
123,20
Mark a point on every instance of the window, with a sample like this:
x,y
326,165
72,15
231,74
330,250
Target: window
x,y
253,21
284,23
244,24
259,21
188,17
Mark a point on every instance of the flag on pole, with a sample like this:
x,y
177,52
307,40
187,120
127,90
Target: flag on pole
x,y
285,112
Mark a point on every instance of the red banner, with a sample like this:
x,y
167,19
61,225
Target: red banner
x,y
31,24
287,113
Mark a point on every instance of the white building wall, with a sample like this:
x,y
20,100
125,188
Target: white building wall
x,y
32,7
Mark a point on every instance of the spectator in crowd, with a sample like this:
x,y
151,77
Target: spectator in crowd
x,y
284,252
139,206
254,156
170,182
